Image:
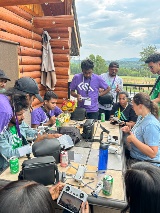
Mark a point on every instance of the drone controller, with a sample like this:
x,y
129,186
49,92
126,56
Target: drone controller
x,y
71,198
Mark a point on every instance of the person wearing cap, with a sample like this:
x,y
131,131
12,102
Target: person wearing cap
x,y
116,85
25,89
3,81
47,113
14,141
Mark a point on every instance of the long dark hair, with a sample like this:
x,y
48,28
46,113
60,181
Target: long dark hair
x,y
143,98
18,99
142,188
25,196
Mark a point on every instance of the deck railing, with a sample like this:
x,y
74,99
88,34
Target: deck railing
x,y
132,89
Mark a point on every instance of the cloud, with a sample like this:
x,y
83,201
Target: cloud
x,y
121,27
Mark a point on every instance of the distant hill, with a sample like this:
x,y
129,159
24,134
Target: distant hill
x,y
129,59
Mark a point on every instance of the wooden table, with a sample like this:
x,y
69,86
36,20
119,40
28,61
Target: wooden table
x,y
115,168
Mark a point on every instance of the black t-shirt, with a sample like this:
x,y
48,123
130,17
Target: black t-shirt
x,y
127,114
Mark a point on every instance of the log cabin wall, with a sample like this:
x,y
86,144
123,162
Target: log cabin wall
x,y
16,25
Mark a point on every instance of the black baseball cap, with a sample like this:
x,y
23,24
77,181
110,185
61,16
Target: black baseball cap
x,y
28,85
3,76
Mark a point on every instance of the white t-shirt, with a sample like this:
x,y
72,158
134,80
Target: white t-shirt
x,y
112,82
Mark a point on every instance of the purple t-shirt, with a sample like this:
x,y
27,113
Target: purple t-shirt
x,y
38,116
90,86
6,112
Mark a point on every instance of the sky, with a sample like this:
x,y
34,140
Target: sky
x,y
117,29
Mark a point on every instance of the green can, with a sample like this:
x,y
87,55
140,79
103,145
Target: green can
x,y
14,165
58,123
102,117
107,185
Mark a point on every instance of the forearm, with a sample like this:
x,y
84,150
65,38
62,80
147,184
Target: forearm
x,y
156,100
74,94
105,91
144,148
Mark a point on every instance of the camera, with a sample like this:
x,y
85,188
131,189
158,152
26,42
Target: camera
x,y
88,129
71,198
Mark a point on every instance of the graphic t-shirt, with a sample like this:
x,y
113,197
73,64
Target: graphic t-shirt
x,y
88,88
6,112
38,116
17,142
155,94
126,114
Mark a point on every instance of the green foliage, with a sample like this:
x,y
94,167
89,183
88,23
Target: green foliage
x,y
75,68
147,52
100,65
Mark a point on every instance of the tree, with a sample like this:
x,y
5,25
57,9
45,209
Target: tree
x,y
147,52
100,65
144,55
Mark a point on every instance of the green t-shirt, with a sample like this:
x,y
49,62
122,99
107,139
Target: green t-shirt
x,y
155,94
17,142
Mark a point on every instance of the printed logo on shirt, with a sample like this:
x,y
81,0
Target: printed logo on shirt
x,y
84,86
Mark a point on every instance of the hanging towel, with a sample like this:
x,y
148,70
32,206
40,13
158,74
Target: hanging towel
x,y
48,75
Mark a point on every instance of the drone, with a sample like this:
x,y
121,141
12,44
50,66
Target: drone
x,y
79,176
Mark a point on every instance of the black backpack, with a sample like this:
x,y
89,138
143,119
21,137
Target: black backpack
x,y
73,132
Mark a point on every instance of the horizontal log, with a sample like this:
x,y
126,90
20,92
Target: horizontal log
x,y
38,80
60,51
41,87
36,103
25,51
54,21
62,94
22,41
57,30
64,71
62,76
59,35
62,83
60,89
29,68
29,60
25,2
61,57
17,10
60,43
61,64
13,18
34,74
20,31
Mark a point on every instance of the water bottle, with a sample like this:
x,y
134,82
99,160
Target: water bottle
x,y
103,157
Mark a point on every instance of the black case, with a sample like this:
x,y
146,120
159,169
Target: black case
x,y
42,170
88,129
47,147
79,114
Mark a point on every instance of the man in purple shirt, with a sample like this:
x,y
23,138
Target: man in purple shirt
x,y
47,113
25,89
87,85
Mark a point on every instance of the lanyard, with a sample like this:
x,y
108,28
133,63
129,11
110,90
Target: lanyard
x,y
133,130
119,111
87,85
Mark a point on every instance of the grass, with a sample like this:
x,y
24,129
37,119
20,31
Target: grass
x,y
132,80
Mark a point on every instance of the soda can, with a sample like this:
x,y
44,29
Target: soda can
x,y
64,159
14,165
107,185
102,117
